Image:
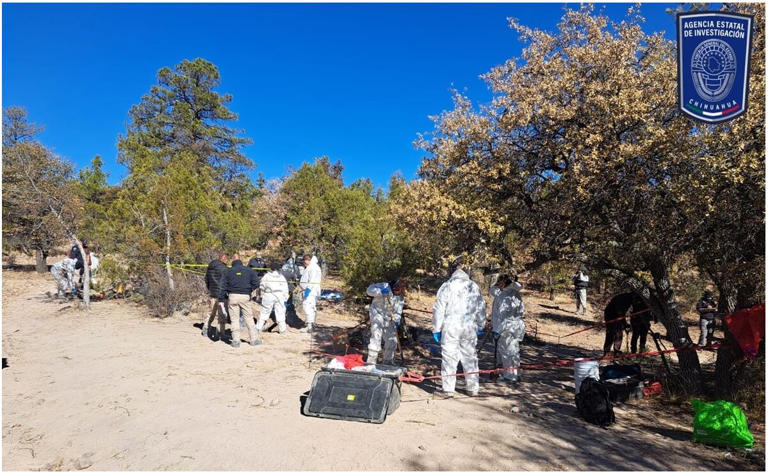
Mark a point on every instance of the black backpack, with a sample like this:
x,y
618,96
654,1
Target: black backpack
x,y
594,404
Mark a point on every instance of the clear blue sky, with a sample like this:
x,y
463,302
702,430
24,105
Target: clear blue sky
x,y
354,82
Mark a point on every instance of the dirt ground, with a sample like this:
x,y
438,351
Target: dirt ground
x,y
113,389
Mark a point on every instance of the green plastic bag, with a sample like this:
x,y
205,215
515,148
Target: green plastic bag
x,y
720,423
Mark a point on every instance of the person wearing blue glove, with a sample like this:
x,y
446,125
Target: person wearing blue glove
x,y
310,282
508,325
458,313
437,336
385,312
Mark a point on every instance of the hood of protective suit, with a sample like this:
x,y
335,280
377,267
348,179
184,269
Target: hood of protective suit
x,y
459,303
459,274
310,278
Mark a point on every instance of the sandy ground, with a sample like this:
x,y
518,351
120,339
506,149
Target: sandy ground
x,y
113,389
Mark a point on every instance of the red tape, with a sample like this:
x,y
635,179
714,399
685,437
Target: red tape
x,y
606,322
412,377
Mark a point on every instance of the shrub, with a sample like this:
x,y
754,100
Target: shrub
x,y
163,301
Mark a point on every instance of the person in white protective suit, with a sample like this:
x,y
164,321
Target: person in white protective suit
x,y
64,274
580,285
274,294
457,320
386,311
508,325
310,285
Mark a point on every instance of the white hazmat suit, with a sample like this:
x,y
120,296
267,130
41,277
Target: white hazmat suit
x,y
274,294
580,282
507,320
385,311
458,314
64,274
310,284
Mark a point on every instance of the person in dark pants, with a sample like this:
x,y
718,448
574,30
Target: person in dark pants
x,y
614,331
238,284
707,309
640,324
213,280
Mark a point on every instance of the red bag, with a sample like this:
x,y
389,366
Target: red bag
x,y
652,389
748,327
351,360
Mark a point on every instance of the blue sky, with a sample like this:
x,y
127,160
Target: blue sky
x,y
354,82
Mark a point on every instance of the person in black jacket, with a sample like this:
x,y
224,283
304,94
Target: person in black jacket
x,y
614,330
213,278
74,253
239,282
641,324
258,264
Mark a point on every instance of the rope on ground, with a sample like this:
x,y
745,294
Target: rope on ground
x,y
342,332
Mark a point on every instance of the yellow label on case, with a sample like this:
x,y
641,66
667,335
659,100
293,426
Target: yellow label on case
x,y
350,398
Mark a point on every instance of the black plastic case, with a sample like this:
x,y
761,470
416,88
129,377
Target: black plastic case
x,y
353,396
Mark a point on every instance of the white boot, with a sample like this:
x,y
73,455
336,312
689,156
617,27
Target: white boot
x,y
307,328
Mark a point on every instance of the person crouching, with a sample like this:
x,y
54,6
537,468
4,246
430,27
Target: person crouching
x,y
64,274
274,294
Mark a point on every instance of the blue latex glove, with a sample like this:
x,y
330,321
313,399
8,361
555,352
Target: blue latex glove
x,y
397,324
495,334
385,291
306,293
437,336
74,291
479,333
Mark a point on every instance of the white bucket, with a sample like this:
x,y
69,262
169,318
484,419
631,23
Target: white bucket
x,y
583,369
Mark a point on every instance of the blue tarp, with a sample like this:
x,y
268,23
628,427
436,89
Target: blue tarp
x,y
330,295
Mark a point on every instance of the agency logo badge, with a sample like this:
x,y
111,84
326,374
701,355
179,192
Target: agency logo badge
x,y
713,50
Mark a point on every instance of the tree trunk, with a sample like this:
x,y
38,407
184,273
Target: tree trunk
x,y
86,274
732,297
727,355
726,302
551,288
40,261
749,292
677,330
171,284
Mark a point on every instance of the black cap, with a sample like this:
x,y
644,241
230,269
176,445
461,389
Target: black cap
x,y
457,263
275,266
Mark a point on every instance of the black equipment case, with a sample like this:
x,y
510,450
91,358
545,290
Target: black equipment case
x,y
624,382
354,396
